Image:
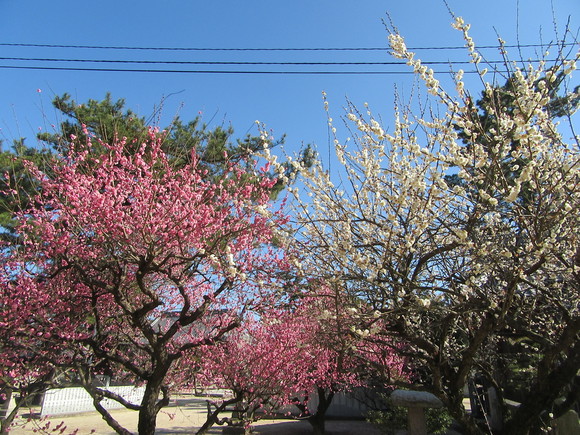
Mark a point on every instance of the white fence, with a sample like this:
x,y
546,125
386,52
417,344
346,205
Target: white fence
x,y
76,399
343,405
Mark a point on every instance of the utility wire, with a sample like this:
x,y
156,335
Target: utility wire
x,y
231,63
179,62
48,68
110,47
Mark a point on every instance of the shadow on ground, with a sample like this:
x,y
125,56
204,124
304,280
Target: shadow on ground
x,y
291,427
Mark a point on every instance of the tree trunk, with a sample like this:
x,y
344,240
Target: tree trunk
x,y
318,424
318,420
468,424
8,417
213,417
114,424
541,397
149,408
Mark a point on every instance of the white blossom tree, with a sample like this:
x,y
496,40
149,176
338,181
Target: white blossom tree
x,y
463,235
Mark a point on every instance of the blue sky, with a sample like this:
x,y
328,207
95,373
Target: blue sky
x,y
288,104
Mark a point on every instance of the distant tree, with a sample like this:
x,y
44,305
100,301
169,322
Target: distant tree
x,y
262,363
349,354
308,350
482,116
109,120
106,120
17,186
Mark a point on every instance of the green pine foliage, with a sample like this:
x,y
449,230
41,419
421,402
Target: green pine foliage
x,y
109,119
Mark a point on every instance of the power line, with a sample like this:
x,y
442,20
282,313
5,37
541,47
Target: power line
x,y
234,63
112,47
179,62
124,70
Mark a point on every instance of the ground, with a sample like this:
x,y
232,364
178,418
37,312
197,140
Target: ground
x,y
184,415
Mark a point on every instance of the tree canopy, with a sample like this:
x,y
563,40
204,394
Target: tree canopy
x,y
108,120
17,185
459,227
106,252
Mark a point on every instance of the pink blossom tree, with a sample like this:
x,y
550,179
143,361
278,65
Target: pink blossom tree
x,y
348,352
311,349
114,241
262,363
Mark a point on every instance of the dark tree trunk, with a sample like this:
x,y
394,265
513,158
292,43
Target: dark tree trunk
x,y
114,424
468,424
26,399
6,418
528,417
318,420
149,407
213,416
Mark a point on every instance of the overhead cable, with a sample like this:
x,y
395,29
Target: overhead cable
x,y
114,47
186,62
49,68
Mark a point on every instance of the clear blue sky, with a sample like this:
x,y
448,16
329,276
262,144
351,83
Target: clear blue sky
x,y
288,104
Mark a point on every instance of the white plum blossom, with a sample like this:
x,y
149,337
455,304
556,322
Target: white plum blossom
x,y
454,231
